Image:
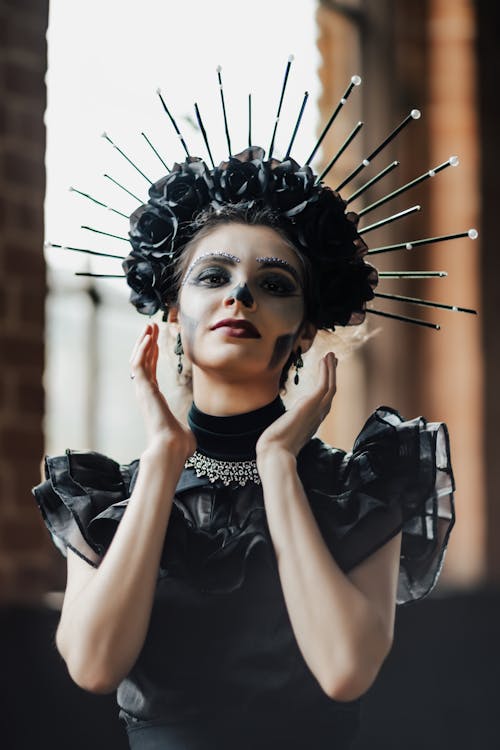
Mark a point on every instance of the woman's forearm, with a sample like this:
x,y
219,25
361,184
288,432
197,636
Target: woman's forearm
x,y
338,632
103,628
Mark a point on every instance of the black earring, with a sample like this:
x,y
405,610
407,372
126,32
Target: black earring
x,y
179,351
298,364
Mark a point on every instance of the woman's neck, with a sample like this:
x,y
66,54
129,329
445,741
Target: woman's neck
x,y
232,437
219,397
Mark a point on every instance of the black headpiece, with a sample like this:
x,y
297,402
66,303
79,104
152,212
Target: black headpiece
x,y
312,215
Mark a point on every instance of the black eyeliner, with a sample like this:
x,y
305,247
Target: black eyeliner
x,y
211,271
283,265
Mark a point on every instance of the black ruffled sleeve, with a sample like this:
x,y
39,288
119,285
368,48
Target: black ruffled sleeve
x,y
397,477
83,490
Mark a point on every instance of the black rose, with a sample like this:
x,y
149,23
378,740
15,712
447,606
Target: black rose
x,y
290,187
343,288
252,153
153,231
326,230
141,279
186,190
243,178
150,281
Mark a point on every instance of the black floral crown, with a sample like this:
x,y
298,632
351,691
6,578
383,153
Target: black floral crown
x,y
310,213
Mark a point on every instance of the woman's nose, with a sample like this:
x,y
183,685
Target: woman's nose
x,y
242,293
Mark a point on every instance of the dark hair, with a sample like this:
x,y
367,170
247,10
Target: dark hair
x,y
249,214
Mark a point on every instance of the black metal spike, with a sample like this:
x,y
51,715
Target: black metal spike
x,y
97,202
101,275
285,80
203,132
371,182
355,81
179,134
249,120
471,233
341,150
452,162
296,128
404,318
106,234
411,274
108,139
154,150
389,220
84,250
413,115
221,90
108,177
418,301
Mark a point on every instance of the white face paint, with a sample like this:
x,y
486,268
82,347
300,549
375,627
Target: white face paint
x,y
246,273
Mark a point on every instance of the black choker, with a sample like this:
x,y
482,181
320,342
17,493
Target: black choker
x,y
232,438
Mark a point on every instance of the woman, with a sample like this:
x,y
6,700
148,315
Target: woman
x,y
243,575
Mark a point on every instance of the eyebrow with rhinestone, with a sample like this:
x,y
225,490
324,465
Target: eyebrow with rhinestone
x,y
212,254
272,261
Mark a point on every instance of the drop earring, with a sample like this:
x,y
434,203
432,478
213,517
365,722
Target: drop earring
x,y
298,364
179,351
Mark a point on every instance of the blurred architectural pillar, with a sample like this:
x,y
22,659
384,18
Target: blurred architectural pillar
x,y
418,55
358,40
488,23
455,391
25,559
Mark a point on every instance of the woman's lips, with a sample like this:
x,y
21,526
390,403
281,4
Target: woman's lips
x,y
242,329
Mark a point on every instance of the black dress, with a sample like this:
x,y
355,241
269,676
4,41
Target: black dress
x,y
220,666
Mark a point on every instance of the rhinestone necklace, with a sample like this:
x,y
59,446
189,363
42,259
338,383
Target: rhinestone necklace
x,y
241,472
226,444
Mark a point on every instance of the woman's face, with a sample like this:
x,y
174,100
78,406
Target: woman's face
x,y
241,303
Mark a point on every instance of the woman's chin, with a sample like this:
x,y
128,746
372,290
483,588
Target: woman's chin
x,y
237,366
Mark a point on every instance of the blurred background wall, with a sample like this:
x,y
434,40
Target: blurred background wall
x,y
437,687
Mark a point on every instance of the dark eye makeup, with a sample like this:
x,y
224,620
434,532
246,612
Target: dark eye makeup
x,y
278,283
207,276
272,281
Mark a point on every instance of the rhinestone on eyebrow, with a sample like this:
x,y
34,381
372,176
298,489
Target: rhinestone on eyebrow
x,y
222,253
280,262
274,260
286,265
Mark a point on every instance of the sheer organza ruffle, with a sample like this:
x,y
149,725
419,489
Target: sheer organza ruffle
x,y
79,486
397,477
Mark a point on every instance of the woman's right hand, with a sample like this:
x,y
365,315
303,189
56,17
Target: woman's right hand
x,y
164,431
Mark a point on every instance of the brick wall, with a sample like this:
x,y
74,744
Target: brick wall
x,y
27,563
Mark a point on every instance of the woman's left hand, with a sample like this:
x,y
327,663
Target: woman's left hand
x,y
295,427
